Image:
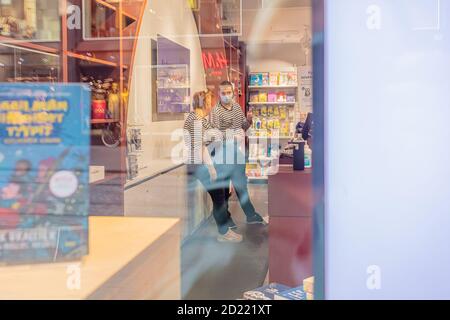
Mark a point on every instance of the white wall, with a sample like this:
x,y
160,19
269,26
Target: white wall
x,y
174,20
273,36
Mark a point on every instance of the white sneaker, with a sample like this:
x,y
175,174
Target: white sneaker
x,y
230,236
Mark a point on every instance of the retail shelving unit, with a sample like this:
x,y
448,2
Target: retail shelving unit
x,y
274,107
103,47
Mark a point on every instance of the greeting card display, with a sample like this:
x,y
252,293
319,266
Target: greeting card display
x,y
44,172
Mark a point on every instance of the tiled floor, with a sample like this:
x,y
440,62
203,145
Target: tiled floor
x,y
210,270
213,270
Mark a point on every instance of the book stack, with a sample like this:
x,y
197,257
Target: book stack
x,y
266,292
276,291
308,286
291,294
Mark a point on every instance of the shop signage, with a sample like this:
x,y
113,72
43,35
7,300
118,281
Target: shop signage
x,y
44,172
214,60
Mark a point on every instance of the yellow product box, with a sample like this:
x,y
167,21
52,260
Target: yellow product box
x,y
308,285
262,97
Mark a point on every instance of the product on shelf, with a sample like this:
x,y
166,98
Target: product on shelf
x,y
114,101
256,79
262,97
264,111
254,96
308,285
263,123
290,97
281,96
105,97
98,103
273,78
276,111
283,113
276,123
16,28
265,79
291,294
292,78
258,123
272,97
283,79
285,128
308,156
269,111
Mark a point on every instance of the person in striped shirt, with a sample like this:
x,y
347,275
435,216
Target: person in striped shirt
x,y
229,161
198,133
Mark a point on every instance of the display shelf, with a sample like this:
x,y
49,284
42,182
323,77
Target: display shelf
x,y
267,114
105,57
275,87
258,178
103,121
265,158
27,44
92,59
271,103
271,137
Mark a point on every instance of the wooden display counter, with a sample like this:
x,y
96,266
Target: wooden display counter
x,y
129,258
290,227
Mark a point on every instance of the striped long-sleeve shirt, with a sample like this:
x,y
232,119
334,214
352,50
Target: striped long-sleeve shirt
x,y
229,119
198,133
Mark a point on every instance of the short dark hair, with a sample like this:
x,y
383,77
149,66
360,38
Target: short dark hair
x,y
226,83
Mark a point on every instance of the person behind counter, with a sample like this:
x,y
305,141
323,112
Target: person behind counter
x,y
200,165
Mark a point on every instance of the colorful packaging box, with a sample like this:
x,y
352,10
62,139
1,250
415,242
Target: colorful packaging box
x,y
291,294
265,79
283,79
308,285
290,97
272,97
254,96
266,292
292,79
281,96
273,78
262,97
44,172
256,79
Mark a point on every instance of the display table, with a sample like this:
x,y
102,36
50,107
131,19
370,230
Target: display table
x,y
129,258
290,228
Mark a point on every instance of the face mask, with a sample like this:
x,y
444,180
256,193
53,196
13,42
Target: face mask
x,y
226,99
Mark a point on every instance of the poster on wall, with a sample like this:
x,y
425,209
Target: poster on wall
x,y
306,87
173,81
44,172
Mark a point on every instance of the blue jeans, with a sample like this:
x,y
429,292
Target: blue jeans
x,y
234,172
216,192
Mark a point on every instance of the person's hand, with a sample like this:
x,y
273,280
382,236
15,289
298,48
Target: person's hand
x,y
250,116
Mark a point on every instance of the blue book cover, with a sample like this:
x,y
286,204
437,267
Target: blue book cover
x,y
44,171
256,79
266,292
291,294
